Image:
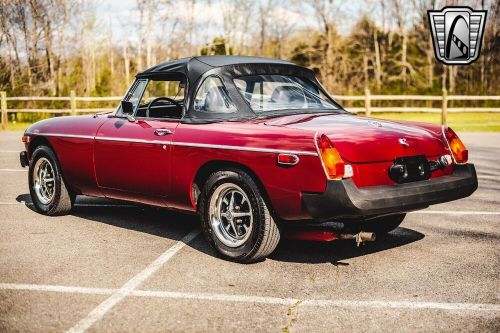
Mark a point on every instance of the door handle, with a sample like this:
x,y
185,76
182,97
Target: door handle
x,y
162,131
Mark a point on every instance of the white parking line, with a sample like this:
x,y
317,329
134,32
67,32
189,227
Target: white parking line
x,y
320,302
487,177
58,289
215,297
374,304
456,212
131,284
407,305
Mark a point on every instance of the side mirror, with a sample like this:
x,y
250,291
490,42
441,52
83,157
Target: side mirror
x,y
127,108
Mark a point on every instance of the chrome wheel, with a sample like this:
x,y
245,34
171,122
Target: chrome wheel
x,y
231,215
43,180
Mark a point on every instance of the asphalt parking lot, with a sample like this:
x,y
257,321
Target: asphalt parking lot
x,y
118,267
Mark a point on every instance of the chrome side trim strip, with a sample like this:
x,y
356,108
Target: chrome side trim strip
x,y
182,144
260,150
91,137
101,138
447,143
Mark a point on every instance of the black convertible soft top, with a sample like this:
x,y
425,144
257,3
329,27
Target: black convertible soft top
x,y
193,70
197,66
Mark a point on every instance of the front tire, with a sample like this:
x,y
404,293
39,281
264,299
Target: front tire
x,y
48,191
235,218
384,224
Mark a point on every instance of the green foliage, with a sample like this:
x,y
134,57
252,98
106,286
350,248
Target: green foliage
x,y
217,47
462,122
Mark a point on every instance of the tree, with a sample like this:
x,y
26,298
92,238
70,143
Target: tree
x,y
49,47
217,47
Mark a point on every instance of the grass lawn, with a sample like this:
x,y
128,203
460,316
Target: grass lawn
x,y
17,126
461,122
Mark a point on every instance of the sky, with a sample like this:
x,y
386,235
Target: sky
x,y
123,16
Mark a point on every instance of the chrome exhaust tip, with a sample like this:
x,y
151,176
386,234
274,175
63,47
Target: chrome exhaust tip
x,y
361,237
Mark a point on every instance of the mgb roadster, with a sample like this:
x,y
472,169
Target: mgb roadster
x,y
257,147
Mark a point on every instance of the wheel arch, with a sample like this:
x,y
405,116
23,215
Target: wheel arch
x,y
218,165
43,141
37,142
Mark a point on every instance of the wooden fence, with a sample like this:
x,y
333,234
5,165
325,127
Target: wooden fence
x,y
367,99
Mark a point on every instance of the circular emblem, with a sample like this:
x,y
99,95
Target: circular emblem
x,y
403,142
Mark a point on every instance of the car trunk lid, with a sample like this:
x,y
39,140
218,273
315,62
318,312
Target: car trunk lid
x,y
367,140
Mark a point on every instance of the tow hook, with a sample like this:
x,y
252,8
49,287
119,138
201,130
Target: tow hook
x,y
361,237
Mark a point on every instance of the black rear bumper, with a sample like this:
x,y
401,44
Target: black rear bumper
x,y
342,199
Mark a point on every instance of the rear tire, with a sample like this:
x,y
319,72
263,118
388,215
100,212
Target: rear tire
x,y
235,218
48,191
384,224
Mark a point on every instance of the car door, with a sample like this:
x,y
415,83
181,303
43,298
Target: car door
x,y
132,156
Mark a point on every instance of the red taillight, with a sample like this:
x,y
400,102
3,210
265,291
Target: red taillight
x,y
333,163
460,153
25,139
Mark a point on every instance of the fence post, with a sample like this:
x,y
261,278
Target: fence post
x,y
444,108
73,102
3,107
368,103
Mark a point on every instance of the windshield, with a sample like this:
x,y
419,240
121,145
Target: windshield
x,y
279,92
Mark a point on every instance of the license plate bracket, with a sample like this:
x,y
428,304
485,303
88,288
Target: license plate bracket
x,y
410,169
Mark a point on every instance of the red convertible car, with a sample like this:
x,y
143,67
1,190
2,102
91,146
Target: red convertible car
x,y
256,147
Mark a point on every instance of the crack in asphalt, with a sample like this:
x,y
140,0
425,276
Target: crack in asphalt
x,y
292,315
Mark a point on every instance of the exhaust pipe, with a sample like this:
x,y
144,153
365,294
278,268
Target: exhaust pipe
x,y
361,237
329,235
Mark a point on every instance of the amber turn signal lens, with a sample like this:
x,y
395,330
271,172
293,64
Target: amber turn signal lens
x,y
333,163
460,153
25,139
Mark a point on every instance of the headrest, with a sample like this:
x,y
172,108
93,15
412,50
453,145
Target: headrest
x,y
288,95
